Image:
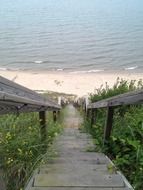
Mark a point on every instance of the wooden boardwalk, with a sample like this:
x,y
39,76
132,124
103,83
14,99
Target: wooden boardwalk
x,y
75,168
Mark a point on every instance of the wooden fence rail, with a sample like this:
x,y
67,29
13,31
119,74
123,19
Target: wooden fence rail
x,y
15,98
130,98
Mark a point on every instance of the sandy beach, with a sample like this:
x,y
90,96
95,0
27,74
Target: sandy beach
x,y
71,83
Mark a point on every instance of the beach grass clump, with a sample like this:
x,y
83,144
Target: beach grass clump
x,y
121,86
125,144
21,148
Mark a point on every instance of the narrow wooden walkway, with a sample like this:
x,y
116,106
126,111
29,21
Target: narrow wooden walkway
x,y
75,168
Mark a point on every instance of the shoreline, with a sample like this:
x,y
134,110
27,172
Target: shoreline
x,y
75,71
67,82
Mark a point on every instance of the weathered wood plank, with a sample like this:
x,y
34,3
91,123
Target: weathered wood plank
x,y
13,99
42,118
54,116
71,188
126,188
135,97
5,109
79,167
16,98
76,180
14,88
109,123
76,188
12,107
93,116
2,183
74,168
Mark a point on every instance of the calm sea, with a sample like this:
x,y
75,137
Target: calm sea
x,y
73,35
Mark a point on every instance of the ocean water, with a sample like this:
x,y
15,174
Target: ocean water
x,y
71,35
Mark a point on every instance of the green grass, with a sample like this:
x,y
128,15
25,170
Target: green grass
x,y
125,145
121,86
21,148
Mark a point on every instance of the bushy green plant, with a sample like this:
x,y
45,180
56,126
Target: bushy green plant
x,y
121,86
125,144
21,148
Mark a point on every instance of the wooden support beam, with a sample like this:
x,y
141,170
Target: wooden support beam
x,y
109,124
54,116
2,181
59,114
134,97
42,118
93,116
88,113
15,98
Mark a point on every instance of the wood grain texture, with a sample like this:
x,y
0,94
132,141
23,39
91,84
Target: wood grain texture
x,y
16,98
135,97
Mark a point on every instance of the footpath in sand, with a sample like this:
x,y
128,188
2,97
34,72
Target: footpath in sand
x,y
74,168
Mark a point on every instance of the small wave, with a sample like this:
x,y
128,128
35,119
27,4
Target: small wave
x,y
9,69
60,69
95,71
89,71
3,69
131,68
38,61
14,69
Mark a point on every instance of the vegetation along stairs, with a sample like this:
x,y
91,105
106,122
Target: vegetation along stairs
x,y
75,167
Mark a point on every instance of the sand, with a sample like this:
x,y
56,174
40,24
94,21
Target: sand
x,y
66,82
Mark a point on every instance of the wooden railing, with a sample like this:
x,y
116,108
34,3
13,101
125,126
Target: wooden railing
x,y
15,98
130,98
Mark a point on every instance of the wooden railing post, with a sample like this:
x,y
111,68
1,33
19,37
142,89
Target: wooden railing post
x,y
58,113
2,181
54,116
88,113
109,124
42,118
93,116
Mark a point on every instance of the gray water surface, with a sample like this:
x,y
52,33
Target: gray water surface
x,y
74,35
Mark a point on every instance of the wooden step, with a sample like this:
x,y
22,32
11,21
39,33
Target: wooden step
x,y
70,188
76,188
76,180
68,168
81,159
